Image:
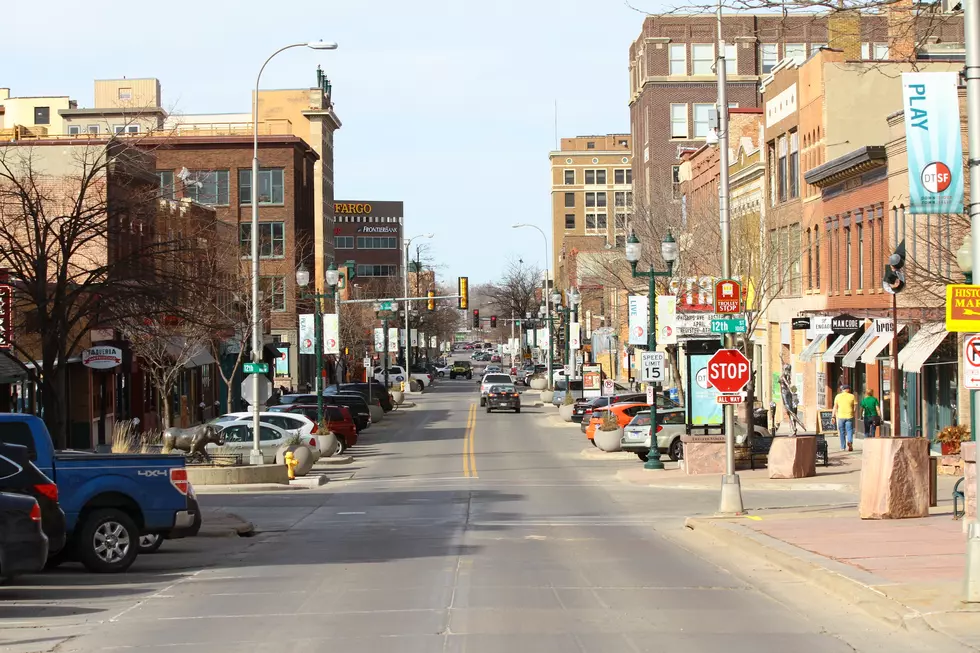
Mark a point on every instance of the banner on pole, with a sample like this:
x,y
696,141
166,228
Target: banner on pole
x,y
379,339
392,339
638,318
331,334
666,320
574,336
306,333
933,142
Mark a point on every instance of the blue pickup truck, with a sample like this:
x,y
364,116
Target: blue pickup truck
x,y
109,500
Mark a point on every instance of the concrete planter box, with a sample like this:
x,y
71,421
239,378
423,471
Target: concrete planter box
x,y
377,413
565,411
397,396
894,478
200,475
704,454
539,383
302,453
609,441
547,396
794,457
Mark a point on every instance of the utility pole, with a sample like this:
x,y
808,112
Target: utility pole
x,y
731,491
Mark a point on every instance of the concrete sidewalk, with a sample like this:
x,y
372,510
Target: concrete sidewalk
x,y
908,572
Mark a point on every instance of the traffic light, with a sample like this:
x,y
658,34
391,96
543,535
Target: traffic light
x,y
464,293
476,318
493,321
431,304
893,279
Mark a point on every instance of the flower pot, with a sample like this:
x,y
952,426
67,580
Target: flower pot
x,y
609,440
547,396
950,448
377,413
565,411
538,383
328,443
302,454
397,396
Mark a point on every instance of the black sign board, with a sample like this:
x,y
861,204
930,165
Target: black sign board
x,y
844,324
827,424
801,323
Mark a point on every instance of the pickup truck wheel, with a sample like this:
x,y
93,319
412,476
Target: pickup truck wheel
x,y
108,541
150,542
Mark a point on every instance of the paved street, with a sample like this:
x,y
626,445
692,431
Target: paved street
x,y
453,530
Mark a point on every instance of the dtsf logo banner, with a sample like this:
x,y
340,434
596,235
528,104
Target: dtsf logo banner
x,y
932,137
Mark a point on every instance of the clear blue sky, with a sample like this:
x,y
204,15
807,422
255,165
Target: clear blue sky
x,y
447,105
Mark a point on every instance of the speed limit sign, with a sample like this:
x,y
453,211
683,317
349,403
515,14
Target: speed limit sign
x,y
653,366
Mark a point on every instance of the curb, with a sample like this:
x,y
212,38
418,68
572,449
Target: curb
x,y
596,453
243,528
334,460
845,582
245,487
751,485
308,482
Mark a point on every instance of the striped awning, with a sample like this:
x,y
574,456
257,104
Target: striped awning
x,y
852,356
835,347
811,349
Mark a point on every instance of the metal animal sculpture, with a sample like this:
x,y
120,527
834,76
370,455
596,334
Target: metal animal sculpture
x,y
193,440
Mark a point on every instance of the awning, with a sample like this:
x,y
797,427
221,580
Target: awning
x,y
199,357
835,347
811,349
878,346
193,355
10,371
852,356
920,347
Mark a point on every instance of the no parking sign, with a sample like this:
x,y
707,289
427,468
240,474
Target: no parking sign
x,y
971,362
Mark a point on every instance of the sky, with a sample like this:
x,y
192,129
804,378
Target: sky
x,y
448,106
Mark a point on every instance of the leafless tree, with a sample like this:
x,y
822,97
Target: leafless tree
x,y
517,291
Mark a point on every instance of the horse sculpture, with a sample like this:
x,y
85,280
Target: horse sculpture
x,y
193,440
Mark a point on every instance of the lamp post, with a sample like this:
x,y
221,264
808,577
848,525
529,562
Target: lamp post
x,y
332,276
255,458
668,250
571,315
544,292
408,330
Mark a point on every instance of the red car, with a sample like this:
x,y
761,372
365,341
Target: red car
x,y
495,358
338,419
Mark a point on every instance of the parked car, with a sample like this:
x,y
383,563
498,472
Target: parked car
x,y
109,500
461,368
504,397
397,374
561,388
586,404
493,369
338,419
670,427
303,426
20,476
663,404
491,380
624,415
23,544
369,390
353,400
238,439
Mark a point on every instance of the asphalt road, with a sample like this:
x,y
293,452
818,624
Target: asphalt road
x,y
454,530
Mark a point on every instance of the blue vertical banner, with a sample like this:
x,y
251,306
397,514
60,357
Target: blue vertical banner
x,y
933,141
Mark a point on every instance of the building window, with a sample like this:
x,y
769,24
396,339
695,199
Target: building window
x,y
569,220
207,187
619,198
343,242
795,51
809,260
629,198
74,130
794,164
595,221
42,115
589,199
600,199
377,270
166,178
377,242
675,178
132,129
816,258
620,240
702,117
768,56
274,291
569,177
702,58
678,59
270,186
93,129
871,238
794,251
593,177
125,94
623,176
860,255
569,200
847,257
874,51
678,121
783,170
272,239
590,145
731,59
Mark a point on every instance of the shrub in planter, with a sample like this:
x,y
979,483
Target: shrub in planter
x,y
567,405
951,437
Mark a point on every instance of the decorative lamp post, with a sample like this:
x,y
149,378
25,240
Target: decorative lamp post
x,y
669,252
964,258
332,277
571,314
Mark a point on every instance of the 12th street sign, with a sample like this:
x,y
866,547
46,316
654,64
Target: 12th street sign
x,y
729,325
256,368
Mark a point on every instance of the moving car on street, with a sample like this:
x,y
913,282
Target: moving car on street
x,y
490,380
504,397
23,544
461,368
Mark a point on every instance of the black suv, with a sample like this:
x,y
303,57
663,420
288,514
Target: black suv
x,y
461,368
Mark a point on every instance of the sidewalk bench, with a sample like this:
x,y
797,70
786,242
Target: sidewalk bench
x,y
760,445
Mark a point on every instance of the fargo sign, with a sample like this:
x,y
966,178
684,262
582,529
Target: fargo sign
x,y
352,208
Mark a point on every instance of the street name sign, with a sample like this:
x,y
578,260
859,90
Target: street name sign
x,y
729,325
256,368
384,306
652,363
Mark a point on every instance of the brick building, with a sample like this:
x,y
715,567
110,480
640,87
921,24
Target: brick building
x,y
370,233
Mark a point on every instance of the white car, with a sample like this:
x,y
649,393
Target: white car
x,y
497,378
443,370
396,374
303,425
238,440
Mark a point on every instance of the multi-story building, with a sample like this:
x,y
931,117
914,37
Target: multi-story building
x,y
370,233
130,106
33,116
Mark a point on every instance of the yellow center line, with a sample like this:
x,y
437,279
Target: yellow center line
x,y
469,457
473,443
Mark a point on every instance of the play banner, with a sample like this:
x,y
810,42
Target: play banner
x,y
331,334
933,141
638,318
306,335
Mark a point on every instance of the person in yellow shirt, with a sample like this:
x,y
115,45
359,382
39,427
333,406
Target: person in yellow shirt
x,y
843,414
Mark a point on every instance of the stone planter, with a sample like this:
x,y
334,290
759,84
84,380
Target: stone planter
x,y
793,457
303,455
377,413
608,441
328,443
397,396
894,478
547,396
565,411
969,452
539,383
704,454
951,465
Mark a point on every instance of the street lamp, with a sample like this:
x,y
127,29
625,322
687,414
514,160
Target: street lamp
x,y
255,458
332,276
964,257
408,331
544,295
571,315
669,252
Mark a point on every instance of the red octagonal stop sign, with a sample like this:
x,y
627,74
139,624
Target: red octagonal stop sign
x,y
728,370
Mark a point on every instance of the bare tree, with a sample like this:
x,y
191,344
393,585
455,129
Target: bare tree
x,y
516,293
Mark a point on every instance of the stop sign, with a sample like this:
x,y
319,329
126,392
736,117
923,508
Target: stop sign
x,y
728,370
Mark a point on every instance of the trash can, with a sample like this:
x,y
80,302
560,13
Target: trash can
x,y
933,481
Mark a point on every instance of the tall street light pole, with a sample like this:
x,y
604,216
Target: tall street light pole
x,y
303,280
255,457
545,293
669,251
408,330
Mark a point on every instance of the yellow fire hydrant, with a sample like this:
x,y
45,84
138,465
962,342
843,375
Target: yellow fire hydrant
x,y
291,463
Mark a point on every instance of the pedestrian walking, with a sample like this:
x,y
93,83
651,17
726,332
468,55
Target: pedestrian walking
x,y
843,414
872,418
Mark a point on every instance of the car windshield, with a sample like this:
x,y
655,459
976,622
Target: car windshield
x,y
497,378
502,388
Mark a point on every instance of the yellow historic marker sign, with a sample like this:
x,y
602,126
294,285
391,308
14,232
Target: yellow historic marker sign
x,y
963,308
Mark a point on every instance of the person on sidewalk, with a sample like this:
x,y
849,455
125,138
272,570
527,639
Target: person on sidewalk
x,y
843,414
871,417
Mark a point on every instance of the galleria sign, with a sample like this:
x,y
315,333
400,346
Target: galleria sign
x,y
352,209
